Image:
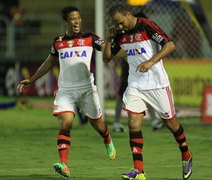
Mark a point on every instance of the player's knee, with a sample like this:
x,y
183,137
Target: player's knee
x,y
134,124
172,124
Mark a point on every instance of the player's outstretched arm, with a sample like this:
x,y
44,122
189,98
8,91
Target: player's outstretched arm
x,y
42,70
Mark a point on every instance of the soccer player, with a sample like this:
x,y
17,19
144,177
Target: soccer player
x,y
74,51
145,45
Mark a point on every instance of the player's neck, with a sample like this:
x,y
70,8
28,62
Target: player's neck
x,y
134,21
72,33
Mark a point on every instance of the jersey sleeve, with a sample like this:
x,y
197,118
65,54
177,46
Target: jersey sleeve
x,y
115,47
97,42
156,33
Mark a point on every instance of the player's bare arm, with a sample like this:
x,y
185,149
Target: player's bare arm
x,y
165,50
107,54
43,69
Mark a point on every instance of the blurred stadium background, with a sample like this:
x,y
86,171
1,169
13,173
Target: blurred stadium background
x,y
27,29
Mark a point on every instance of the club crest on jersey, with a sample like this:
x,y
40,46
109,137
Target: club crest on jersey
x,y
138,37
81,42
70,43
133,52
70,54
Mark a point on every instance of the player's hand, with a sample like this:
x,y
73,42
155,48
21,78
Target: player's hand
x,y
111,31
145,66
23,84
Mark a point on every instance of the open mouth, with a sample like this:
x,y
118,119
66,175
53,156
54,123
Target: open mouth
x,y
76,28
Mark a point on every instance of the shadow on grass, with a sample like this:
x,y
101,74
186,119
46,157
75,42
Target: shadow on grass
x,y
46,177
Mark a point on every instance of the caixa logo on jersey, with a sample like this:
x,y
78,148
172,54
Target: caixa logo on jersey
x,y
70,54
133,52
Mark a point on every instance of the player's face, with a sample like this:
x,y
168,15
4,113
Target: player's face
x,y
74,22
122,21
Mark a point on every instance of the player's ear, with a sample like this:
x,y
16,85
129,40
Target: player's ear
x,y
128,14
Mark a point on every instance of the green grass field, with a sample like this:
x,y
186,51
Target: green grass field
x,y
28,149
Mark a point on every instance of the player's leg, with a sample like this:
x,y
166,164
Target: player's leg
x,y
82,118
156,122
117,125
101,127
63,143
166,105
136,145
179,134
64,110
90,105
136,108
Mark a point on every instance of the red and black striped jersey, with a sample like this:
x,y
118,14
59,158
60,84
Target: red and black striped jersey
x,y
143,31
140,45
76,58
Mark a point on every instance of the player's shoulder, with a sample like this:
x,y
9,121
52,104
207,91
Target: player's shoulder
x,y
96,39
145,24
145,21
89,33
59,38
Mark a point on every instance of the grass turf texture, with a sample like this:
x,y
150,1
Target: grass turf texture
x,y
28,149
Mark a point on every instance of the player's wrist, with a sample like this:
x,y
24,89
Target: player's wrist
x,y
31,81
109,39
